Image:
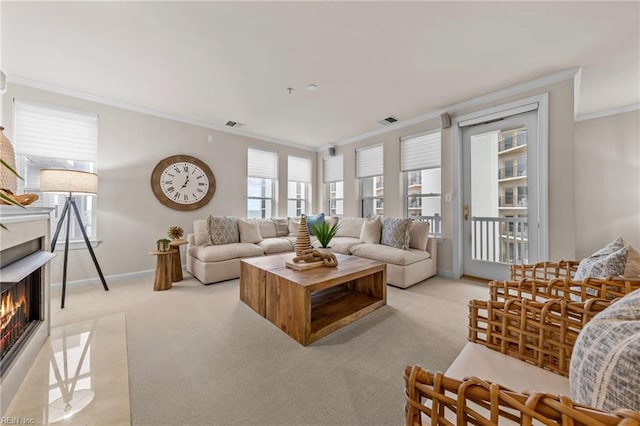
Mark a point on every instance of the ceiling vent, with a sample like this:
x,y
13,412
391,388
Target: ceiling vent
x,y
389,120
234,124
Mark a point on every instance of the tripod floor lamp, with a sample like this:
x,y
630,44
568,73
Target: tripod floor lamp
x,y
70,182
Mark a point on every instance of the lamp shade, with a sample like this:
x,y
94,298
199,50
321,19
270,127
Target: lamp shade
x,y
68,181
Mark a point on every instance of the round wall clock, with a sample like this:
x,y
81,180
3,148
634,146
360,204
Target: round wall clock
x,y
183,182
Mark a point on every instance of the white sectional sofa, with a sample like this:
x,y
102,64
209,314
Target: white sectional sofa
x,y
213,263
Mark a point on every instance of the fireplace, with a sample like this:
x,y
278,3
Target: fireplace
x,y
21,302
24,294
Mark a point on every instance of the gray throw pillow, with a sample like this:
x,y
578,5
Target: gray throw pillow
x,y
604,364
223,230
609,261
395,232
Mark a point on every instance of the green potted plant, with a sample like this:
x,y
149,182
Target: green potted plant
x,y
163,244
324,232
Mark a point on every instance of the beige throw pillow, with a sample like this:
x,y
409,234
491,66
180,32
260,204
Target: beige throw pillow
x,y
371,231
419,235
249,231
350,227
632,267
294,226
201,232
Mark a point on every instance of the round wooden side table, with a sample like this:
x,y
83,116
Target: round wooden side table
x,y
176,267
163,270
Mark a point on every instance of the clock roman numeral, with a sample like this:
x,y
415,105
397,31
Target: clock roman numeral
x,y
201,184
186,197
194,196
200,177
168,182
185,168
176,169
169,174
200,190
170,189
176,195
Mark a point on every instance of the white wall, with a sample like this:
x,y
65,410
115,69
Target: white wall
x,y
561,176
130,218
607,176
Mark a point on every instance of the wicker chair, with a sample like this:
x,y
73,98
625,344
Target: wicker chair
x,y
539,333
548,280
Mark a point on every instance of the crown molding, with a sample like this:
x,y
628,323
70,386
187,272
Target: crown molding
x,y
15,79
606,113
461,106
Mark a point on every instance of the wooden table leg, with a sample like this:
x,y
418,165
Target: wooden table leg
x,y
176,267
163,273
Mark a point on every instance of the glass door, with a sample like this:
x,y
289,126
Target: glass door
x,y
498,195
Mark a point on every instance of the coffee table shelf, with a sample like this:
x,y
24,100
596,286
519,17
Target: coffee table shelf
x,y
328,315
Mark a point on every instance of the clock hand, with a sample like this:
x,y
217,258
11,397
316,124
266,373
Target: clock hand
x,y
186,182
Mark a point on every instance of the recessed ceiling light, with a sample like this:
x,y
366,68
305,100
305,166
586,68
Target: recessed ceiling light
x,y
312,87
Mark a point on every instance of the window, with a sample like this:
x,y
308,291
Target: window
x,y
370,170
298,188
333,178
262,171
48,137
420,164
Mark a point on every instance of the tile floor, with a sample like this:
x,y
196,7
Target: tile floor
x,y
80,377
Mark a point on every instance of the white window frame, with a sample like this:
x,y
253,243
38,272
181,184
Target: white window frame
x,y
87,204
333,174
435,222
331,200
370,175
302,185
265,180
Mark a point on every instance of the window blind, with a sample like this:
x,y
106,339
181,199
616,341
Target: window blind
x,y
299,169
262,164
51,132
370,161
332,171
420,152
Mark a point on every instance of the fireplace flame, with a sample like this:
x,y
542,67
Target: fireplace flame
x,y
9,308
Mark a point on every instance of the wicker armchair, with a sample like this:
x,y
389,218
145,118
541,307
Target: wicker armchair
x,y
474,401
548,280
539,333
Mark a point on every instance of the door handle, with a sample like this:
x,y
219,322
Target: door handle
x,y
466,212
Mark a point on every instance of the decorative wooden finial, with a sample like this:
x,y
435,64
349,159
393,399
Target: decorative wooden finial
x,y
303,240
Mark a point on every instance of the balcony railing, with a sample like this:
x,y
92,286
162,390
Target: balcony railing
x,y
500,239
510,201
510,141
434,223
513,172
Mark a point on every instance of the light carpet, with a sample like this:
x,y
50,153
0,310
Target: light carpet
x,y
199,356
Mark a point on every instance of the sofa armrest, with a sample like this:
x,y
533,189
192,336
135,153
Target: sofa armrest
x,y
432,247
448,401
540,333
563,288
545,270
191,240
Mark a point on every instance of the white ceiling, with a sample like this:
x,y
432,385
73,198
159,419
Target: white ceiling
x,y
215,62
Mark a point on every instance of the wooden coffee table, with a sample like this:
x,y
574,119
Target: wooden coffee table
x,y
310,304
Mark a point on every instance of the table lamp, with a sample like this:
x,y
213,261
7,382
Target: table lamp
x,y
70,182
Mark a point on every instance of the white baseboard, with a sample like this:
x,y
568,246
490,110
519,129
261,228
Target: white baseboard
x,y
109,278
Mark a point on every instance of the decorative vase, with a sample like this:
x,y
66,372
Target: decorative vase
x,y
325,250
303,240
163,245
8,180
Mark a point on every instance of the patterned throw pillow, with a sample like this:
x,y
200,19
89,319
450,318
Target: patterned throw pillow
x,y
604,364
319,218
282,226
609,261
223,230
395,232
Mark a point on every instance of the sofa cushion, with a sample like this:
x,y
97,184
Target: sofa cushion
x,y
609,261
294,226
200,232
371,231
217,253
282,226
331,220
632,267
223,230
249,231
275,245
419,235
387,254
267,227
395,232
340,245
350,227
480,361
319,218
604,364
